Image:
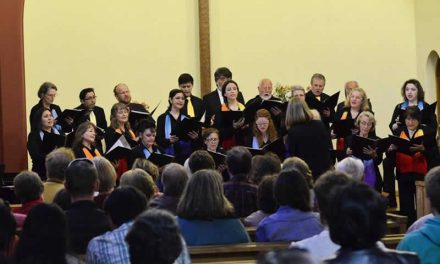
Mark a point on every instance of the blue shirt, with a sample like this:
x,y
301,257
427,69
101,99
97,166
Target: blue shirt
x,y
288,224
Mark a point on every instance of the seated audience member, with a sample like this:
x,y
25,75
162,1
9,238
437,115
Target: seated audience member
x,y
426,241
286,256
205,216
140,180
241,193
293,220
199,160
265,201
419,223
107,179
263,165
353,167
320,246
123,205
84,218
28,189
56,164
147,166
357,221
155,238
62,199
8,238
174,179
299,164
44,236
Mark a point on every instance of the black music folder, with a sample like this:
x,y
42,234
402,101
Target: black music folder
x,y
359,143
403,145
330,102
119,150
185,126
268,104
343,128
75,114
218,157
52,141
228,117
160,160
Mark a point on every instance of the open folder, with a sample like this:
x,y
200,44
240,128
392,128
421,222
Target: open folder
x,y
160,160
119,150
277,147
329,103
185,126
403,145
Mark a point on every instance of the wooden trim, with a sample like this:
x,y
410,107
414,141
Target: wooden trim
x,y
437,82
13,138
204,48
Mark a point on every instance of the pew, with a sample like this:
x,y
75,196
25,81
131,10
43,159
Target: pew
x,y
422,203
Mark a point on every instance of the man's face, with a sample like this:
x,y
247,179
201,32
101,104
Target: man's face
x,y
89,101
220,81
123,94
350,86
317,86
265,89
186,88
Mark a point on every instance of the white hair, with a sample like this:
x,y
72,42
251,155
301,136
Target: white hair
x,y
353,167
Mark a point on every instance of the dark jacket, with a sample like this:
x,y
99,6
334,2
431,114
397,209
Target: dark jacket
x,y
212,104
199,108
372,256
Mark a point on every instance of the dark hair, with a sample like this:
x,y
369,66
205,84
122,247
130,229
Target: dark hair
x,y
413,112
222,72
28,186
185,78
44,88
145,124
357,216
36,121
174,179
325,188
239,161
420,92
154,237
63,199
265,195
44,236
199,160
318,76
7,229
291,189
432,183
173,93
81,176
84,92
224,90
286,256
263,165
124,204
80,131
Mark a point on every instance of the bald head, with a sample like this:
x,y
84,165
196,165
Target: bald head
x,y
350,85
122,93
265,89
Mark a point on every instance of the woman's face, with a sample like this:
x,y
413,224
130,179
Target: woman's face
x,y
212,141
411,92
178,101
231,91
299,94
122,115
148,137
90,135
365,125
356,100
49,96
262,124
411,123
46,120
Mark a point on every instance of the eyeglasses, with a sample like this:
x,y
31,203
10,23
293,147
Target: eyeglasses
x,y
262,124
90,98
81,160
212,139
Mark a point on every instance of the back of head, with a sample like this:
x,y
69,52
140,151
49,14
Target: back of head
x,y
63,199
154,238
357,216
301,165
139,179
57,161
265,195
432,185
297,112
81,178
203,197
239,161
106,174
7,229
263,165
147,166
44,236
199,160
28,186
222,72
174,179
124,204
352,167
291,190
286,256
325,188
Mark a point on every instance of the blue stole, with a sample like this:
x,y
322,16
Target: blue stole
x,y
405,105
147,153
185,145
255,144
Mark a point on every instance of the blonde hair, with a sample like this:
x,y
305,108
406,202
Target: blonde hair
x,y
140,180
297,112
271,131
148,166
106,174
370,118
203,197
364,105
113,120
301,166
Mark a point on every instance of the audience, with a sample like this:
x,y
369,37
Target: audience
x,y
199,160
265,202
263,165
84,218
44,236
426,241
174,179
241,193
107,179
123,205
293,220
140,180
28,188
8,238
287,256
353,167
205,215
56,164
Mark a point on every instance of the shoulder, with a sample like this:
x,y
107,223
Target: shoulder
x,y
210,95
195,98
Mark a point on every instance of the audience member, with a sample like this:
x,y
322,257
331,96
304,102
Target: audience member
x,y
286,256
28,188
174,179
56,164
8,238
84,218
107,179
199,160
265,201
123,205
301,166
293,220
63,199
241,193
263,165
353,167
140,180
205,215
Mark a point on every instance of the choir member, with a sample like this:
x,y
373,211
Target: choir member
x,y
84,144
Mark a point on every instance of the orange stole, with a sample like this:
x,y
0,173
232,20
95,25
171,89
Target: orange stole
x,y
89,155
